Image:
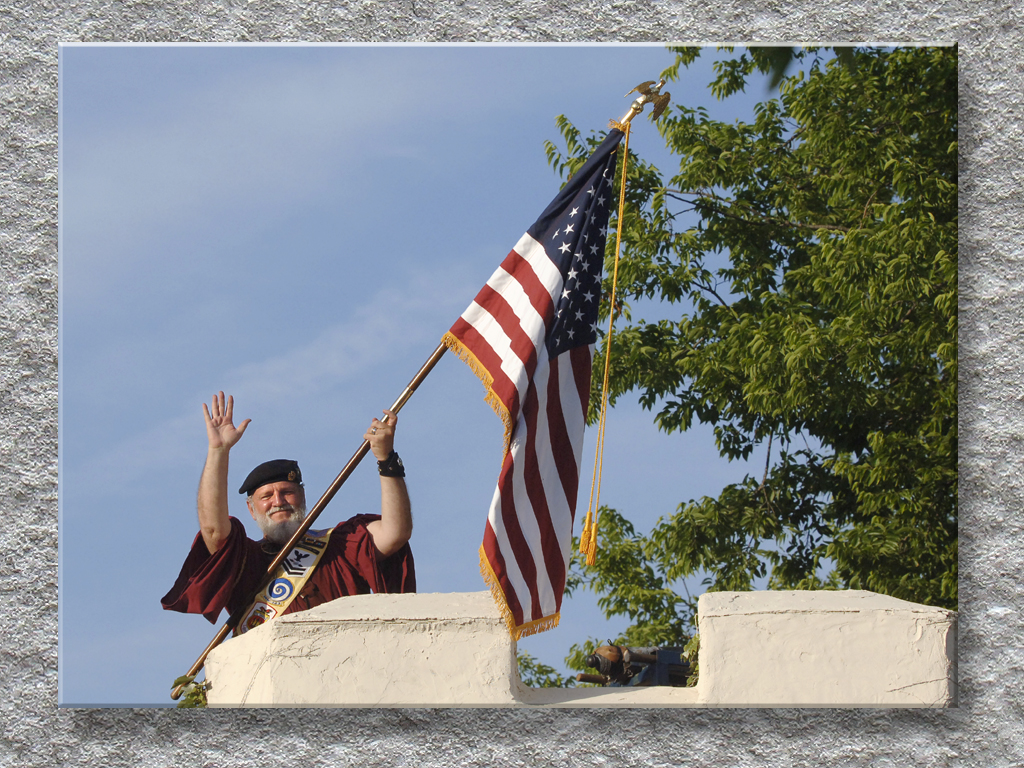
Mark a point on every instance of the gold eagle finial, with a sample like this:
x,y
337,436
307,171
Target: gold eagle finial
x,y
650,93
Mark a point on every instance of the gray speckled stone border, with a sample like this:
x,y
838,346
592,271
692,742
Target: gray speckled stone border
x,y
987,729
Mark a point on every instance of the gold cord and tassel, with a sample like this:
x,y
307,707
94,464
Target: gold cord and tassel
x,y
588,533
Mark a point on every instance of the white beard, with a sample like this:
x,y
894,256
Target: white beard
x,y
280,531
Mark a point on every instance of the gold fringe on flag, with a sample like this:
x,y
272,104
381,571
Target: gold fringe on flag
x,y
522,630
485,377
588,534
531,627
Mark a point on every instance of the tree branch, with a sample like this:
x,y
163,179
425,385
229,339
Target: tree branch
x,y
720,204
767,463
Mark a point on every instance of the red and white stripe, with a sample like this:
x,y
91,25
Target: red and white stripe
x,y
529,525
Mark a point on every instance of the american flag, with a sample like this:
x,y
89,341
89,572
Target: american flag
x,y
530,335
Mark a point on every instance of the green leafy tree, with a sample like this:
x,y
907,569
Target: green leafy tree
x,y
193,694
536,674
630,584
811,254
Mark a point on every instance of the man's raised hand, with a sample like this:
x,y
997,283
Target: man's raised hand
x,y
220,429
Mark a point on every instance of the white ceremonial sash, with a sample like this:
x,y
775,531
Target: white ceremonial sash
x,y
289,578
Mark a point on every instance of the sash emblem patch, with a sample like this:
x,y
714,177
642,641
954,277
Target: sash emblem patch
x,y
290,577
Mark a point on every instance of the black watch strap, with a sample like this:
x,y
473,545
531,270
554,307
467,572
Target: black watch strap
x,y
392,466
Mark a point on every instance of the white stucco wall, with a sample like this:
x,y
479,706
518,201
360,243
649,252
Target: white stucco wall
x,y
447,649
829,648
848,648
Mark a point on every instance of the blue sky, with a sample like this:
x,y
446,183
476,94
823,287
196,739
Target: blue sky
x,y
299,226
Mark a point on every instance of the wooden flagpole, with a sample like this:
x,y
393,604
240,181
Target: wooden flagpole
x,y
311,518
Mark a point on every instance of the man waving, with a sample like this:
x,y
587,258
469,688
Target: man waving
x,y
366,553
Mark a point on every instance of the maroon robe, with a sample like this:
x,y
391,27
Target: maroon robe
x,y
349,566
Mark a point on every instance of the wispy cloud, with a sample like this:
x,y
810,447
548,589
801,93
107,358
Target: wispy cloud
x,y
392,325
393,320
256,145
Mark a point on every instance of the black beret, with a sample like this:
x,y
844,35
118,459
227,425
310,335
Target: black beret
x,y
276,471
